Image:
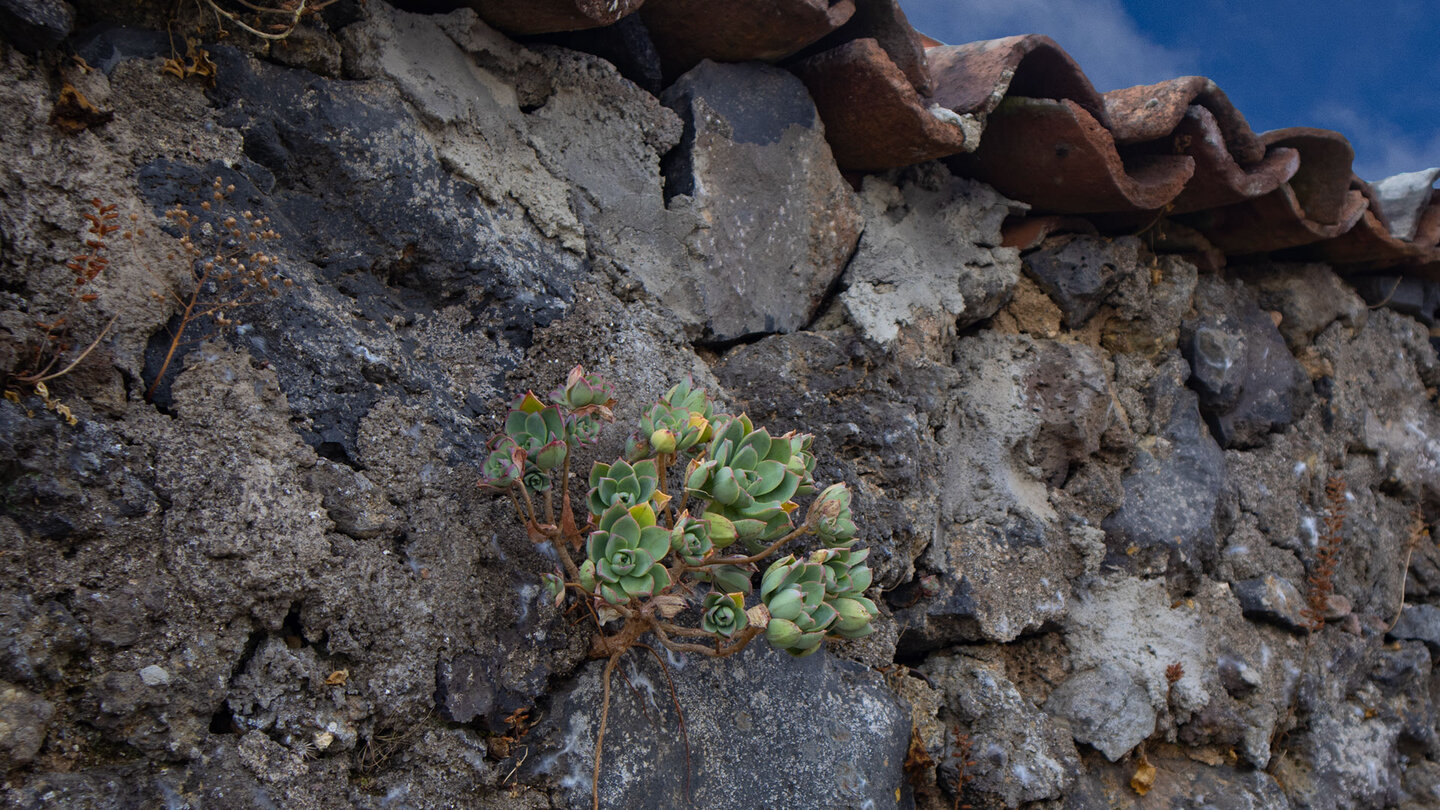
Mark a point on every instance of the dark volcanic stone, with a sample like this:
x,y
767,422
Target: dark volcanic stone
x,y
1079,272
626,45
1273,600
1170,494
1419,623
379,236
1413,296
782,222
829,732
36,25
1246,377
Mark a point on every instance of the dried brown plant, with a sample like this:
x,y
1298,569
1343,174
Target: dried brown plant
x,y
1327,555
229,268
50,352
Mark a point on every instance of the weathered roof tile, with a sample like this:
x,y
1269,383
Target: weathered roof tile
x,y
687,31
1057,157
874,118
547,16
975,77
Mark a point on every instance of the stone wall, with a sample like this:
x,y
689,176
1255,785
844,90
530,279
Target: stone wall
x,y
1092,475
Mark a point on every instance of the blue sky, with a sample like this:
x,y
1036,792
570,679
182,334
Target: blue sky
x,y
1368,68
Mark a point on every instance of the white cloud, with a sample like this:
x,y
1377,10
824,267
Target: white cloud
x,y
1381,149
1098,34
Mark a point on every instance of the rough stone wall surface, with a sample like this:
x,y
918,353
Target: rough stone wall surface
x,y
1093,478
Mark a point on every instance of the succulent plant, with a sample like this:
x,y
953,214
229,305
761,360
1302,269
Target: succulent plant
x,y
582,431
539,431
830,516
723,613
743,482
622,483
846,573
728,578
853,616
794,593
690,539
744,475
624,556
503,466
802,460
536,479
584,394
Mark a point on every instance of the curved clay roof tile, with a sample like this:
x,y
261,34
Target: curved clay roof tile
x,y
1273,222
874,118
1152,111
1322,183
687,31
1057,157
548,16
1219,179
975,77
885,22
1370,242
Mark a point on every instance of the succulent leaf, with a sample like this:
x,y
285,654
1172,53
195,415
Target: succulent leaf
x,y
627,554
723,613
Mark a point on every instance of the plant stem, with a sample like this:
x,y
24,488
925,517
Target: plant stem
x,y
185,318
600,737
529,503
735,646
550,506
766,552
73,363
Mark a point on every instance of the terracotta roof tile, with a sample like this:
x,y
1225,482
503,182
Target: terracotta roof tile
x,y
874,118
884,21
1057,157
547,16
687,31
975,77
1153,111
1370,242
1274,221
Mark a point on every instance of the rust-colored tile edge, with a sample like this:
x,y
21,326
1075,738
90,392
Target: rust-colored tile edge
x,y
1153,111
688,31
873,117
975,77
1057,157
549,16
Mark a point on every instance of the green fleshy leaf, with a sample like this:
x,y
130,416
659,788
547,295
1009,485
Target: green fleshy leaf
x,y
782,633
641,586
731,578
787,604
655,542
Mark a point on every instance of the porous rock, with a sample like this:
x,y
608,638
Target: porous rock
x,y
24,716
929,260
1079,272
1419,623
780,221
1241,367
1171,489
1003,558
1106,708
1272,599
1020,754
36,25
850,734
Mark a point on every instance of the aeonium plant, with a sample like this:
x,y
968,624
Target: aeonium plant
x,y
674,534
